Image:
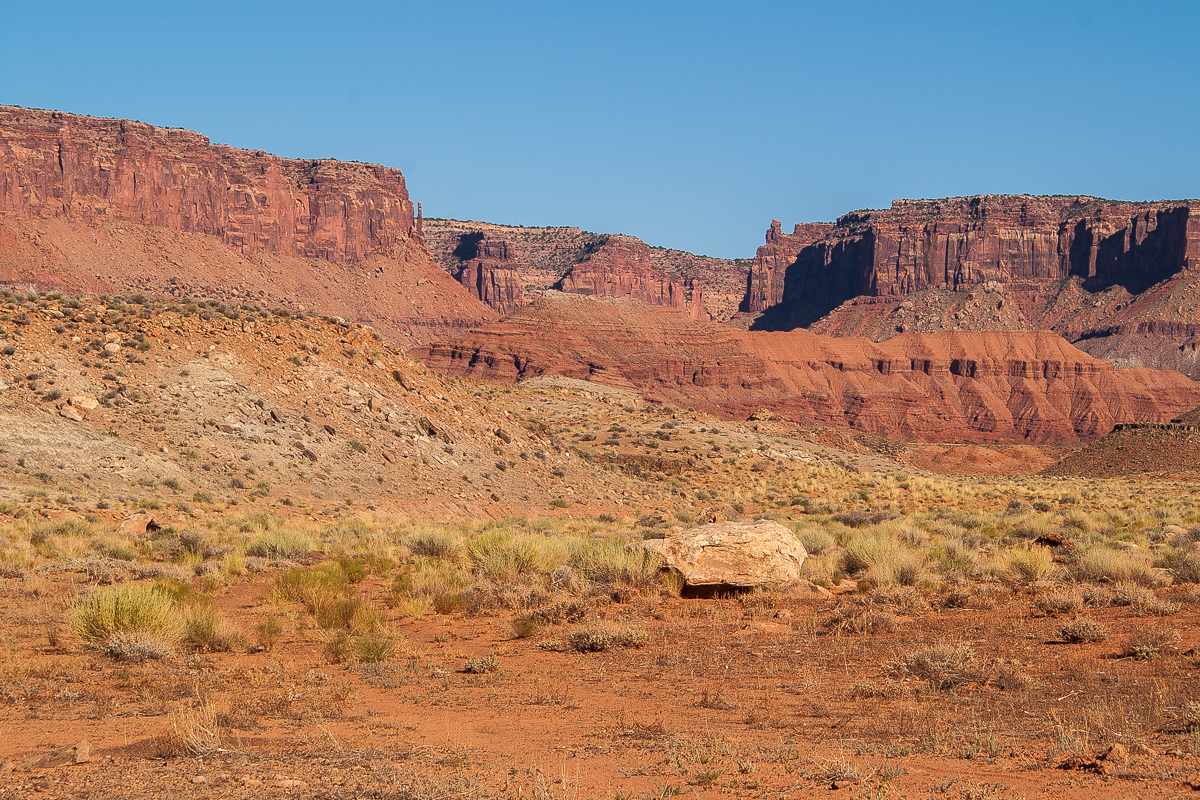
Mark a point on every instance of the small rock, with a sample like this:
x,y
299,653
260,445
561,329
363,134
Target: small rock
x,y
503,435
112,347
78,753
1116,754
84,402
249,781
199,779
291,783
71,413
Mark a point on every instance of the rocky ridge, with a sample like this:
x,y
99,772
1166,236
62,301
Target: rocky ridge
x,y
967,386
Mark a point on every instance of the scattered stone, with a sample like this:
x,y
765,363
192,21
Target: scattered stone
x,y
735,554
503,435
402,379
72,413
332,431
802,588
78,753
112,347
199,779
291,783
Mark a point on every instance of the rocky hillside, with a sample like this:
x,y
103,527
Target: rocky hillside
x,y
968,387
498,263
100,205
1169,451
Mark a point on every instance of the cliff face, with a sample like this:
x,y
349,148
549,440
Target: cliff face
x,y
92,204
966,386
621,267
579,261
766,279
962,241
489,272
83,169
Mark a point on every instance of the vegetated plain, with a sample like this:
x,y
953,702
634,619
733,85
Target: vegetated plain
x,y
216,602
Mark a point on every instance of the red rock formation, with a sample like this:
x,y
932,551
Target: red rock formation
x,y
621,267
85,169
765,282
961,241
713,287
490,274
967,386
92,204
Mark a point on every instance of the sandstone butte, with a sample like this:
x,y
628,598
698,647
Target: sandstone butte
x,y
100,205
962,386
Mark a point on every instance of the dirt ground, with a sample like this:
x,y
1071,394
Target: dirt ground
x,y
749,696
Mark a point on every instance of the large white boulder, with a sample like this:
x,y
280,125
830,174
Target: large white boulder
x,y
734,554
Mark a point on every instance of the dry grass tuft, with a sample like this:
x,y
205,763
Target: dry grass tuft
x,y
192,731
1083,630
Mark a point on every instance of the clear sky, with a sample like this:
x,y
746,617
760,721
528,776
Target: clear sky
x,y
689,124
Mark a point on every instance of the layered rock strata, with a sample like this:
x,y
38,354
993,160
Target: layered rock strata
x,y
576,260
966,386
91,204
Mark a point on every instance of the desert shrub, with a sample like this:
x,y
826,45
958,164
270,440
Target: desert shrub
x,y
374,647
481,665
1130,594
500,557
1150,643
136,647
881,559
268,632
142,619
1059,601
427,578
281,542
1030,527
436,544
815,541
598,638
339,648
315,588
1027,566
1077,521
350,613
613,561
1083,630
944,665
1018,507
1183,563
903,598
1104,564
192,731
856,618
954,556
116,550
207,632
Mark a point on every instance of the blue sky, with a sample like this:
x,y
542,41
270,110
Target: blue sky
x,y
691,125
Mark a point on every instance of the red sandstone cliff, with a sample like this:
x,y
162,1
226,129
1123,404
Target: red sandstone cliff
x,y
92,204
766,279
490,272
968,386
577,260
621,267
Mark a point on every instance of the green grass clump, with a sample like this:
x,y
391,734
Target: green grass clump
x,y
882,559
614,561
126,610
207,632
1028,566
280,543
1104,564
